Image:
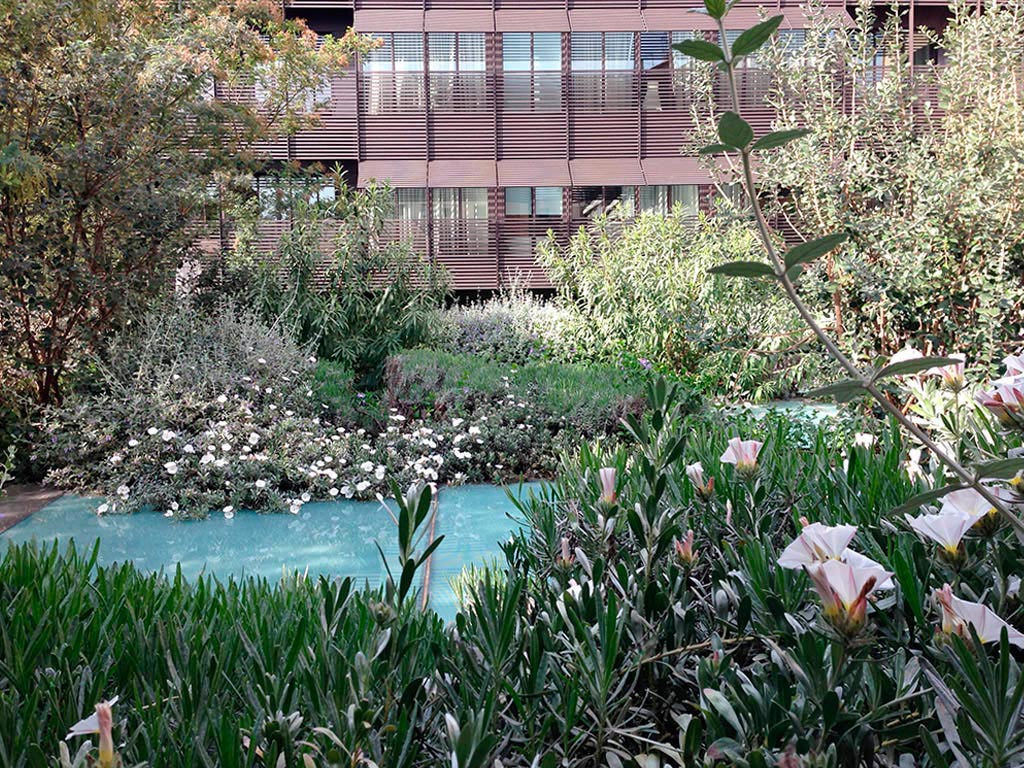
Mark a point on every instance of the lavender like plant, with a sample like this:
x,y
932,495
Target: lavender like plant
x,y
736,137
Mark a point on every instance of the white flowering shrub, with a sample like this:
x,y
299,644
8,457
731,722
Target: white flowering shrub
x,y
195,412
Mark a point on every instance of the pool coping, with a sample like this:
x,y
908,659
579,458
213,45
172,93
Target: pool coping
x,y
21,501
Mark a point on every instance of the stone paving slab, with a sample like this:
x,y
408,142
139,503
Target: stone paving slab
x,y
20,501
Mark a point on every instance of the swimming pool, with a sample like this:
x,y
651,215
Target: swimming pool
x,y
334,539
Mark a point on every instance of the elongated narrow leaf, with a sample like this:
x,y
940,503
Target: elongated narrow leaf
x,y
1000,468
812,249
918,364
714,149
743,269
753,38
734,130
914,502
841,390
778,138
700,49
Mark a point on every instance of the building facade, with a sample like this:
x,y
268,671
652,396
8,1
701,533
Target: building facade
x,y
498,121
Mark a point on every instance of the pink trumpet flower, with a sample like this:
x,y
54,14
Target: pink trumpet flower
x,y
1005,400
743,454
958,615
565,558
684,550
607,475
844,591
952,375
819,543
1014,364
101,722
705,489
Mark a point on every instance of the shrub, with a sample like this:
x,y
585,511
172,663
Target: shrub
x,y
366,299
610,634
644,292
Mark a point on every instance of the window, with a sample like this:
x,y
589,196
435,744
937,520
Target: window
x,y
458,66
592,201
663,199
392,73
410,204
602,69
460,220
533,201
279,196
532,71
666,73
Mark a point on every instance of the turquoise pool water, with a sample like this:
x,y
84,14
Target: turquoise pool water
x,y
334,539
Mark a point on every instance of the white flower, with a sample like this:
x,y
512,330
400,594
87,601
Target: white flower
x,y
117,458
946,529
171,467
379,472
168,513
102,509
742,453
864,440
346,491
261,361
222,399
206,458
362,485
905,354
225,447
818,543
132,443
474,430
152,431
253,438
229,512
366,466
969,502
167,436
261,484
305,498
189,449
458,422
123,491
958,614
333,492
844,590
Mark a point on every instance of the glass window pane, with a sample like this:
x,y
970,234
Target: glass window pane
x,y
549,201
618,53
518,201
410,204
653,49
680,60
442,51
472,51
408,52
547,51
445,203
685,195
379,59
586,51
515,51
474,203
654,199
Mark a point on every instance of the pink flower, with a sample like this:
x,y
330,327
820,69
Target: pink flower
x,y
844,590
819,543
1014,364
684,550
704,489
958,614
1005,400
952,375
743,454
101,722
565,559
607,475
905,354
947,530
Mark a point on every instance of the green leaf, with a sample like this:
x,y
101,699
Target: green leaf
x,y
715,8
734,130
812,249
842,390
755,37
923,498
918,364
700,49
714,149
778,138
743,269
1000,467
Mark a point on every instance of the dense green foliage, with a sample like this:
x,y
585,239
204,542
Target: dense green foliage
x,y
600,641
928,179
337,284
643,292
